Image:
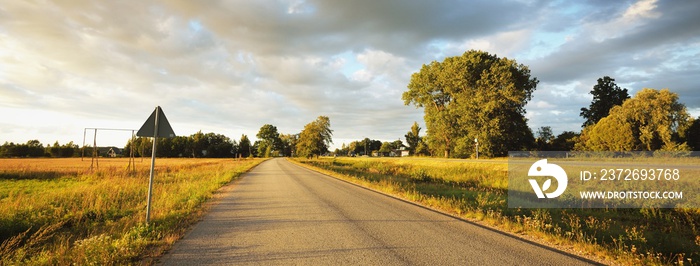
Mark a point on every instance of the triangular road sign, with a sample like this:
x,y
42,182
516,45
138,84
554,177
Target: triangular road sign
x,y
164,128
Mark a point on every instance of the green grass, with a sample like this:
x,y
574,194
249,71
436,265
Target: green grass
x,y
56,212
478,191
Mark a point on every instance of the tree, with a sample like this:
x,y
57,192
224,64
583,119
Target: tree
x,y
269,133
269,140
244,147
372,145
544,138
545,134
413,138
385,149
397,144
142,146
35,148
179,146
476,95
218,146
32,148
288,144
170,147
422,149
564,141
651,120
70,149
62,151
55,150
7,150
353,148
315,138
364,147
606,94
692,135
612,133
197,144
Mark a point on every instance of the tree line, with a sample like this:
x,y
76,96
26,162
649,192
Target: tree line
x,y
477,101
651,120
313,140
34,149
370,147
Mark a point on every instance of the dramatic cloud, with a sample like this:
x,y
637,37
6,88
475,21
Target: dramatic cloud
x,y
231,66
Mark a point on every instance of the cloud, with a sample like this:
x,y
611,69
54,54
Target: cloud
x,y
604,46
232,66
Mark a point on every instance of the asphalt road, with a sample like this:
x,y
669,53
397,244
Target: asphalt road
x,y
281,213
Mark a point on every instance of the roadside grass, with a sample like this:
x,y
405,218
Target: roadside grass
x,y
477,191
57,212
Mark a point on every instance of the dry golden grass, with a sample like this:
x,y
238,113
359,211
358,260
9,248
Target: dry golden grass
x,y
478,191
58,211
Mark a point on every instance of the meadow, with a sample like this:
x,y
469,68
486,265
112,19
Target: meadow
x,y
61,212
478,191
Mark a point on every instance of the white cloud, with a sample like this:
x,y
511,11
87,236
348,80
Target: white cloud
x,y
642,9
636,15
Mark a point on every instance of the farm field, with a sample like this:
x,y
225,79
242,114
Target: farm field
x,y
477,191
58,211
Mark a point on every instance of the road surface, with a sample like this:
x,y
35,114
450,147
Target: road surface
x,y
281,213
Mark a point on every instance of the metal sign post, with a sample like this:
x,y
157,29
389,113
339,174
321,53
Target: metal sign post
x,y
156,125
153,164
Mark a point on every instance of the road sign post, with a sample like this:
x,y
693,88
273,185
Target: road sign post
x,y
156,125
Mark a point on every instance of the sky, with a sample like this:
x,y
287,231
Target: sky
x,y
229,67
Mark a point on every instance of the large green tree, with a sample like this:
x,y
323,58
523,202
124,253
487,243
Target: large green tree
x,y
651,120
606,94
315,138
269,140
475,95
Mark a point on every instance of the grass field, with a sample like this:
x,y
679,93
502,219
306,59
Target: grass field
x,y
59,212
478,191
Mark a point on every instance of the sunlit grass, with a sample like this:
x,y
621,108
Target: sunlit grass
x,y
478,191
58,211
